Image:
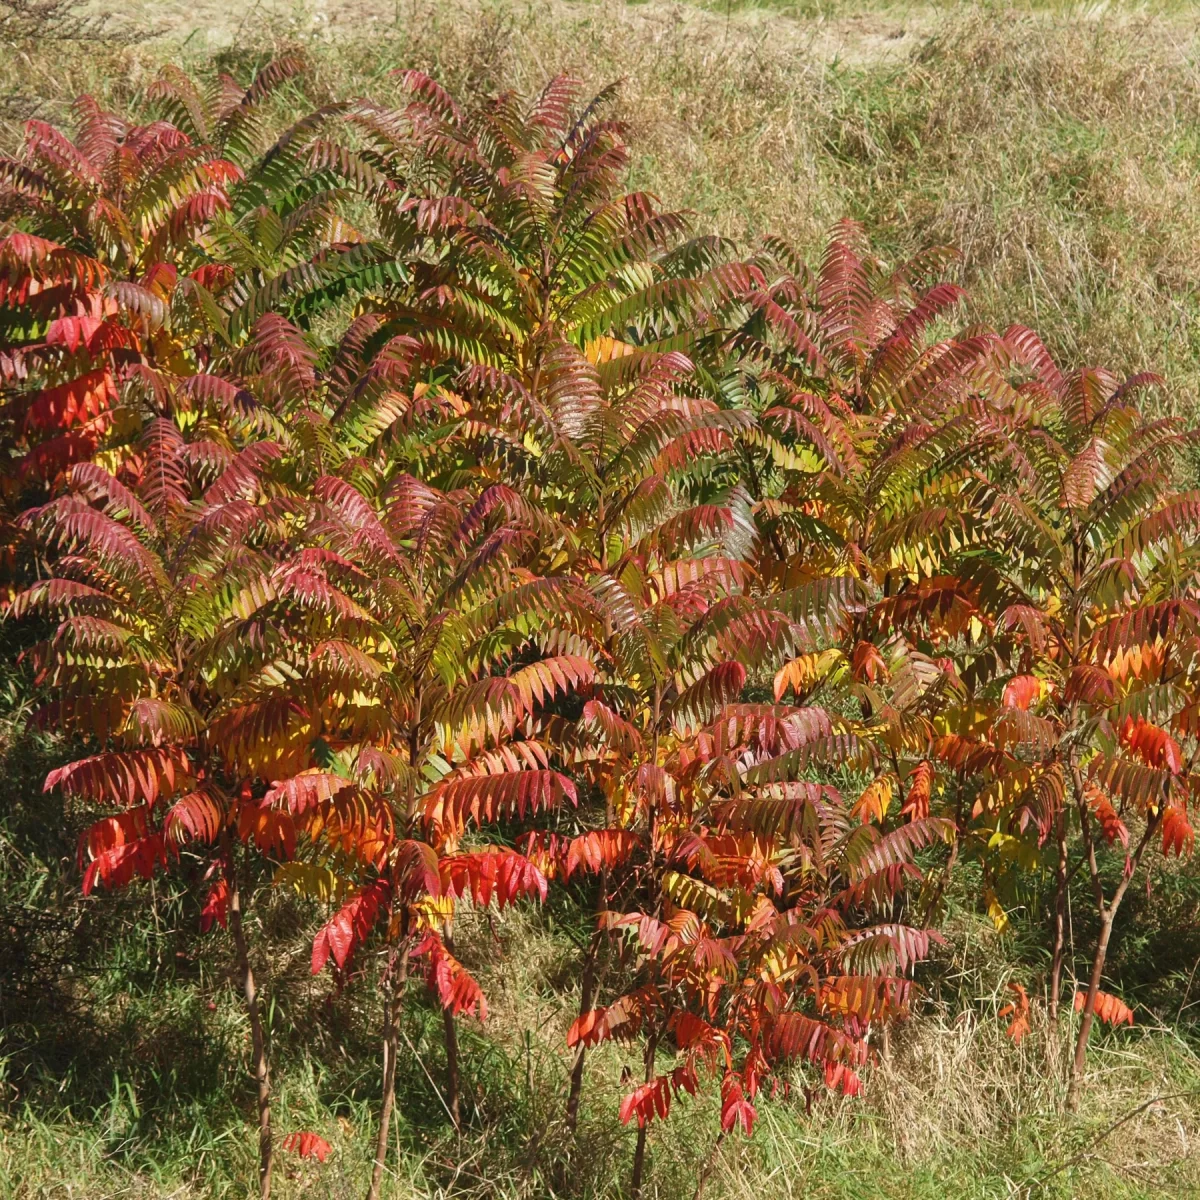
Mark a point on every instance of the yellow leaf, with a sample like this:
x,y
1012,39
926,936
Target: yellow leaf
x,y
605,349
995,910
432,912
802,673
312,879
873,804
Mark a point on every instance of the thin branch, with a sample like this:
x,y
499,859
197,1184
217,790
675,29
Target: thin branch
x,y
1087,1150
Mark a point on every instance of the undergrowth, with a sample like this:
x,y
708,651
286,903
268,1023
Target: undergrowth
x,y
125,1049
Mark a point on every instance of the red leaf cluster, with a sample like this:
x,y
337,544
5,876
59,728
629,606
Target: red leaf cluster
x,y
307,1145
349,926
1152,744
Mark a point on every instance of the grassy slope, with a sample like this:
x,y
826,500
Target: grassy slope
x,y
1056,144
1060,150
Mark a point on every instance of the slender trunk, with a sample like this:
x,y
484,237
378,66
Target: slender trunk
x,y
1060,917
450,1037
639,1161
396,978
451,1033
258,1041
1089,1010
707,1169
589,983
1107,914
587,997
639,1153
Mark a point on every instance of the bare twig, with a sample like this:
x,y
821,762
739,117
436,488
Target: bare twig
x,y
1091,1146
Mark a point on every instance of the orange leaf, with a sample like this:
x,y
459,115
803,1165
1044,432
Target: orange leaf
x,y
1018,1010
697,1035
1154,746
1108,1008
1022,691
867,663
598,849
916,803
1112,826
873,804
869,998
589,1028
271,830
1177,831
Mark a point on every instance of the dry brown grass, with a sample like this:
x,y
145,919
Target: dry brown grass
x,y
1061,154
955,1108
1058,149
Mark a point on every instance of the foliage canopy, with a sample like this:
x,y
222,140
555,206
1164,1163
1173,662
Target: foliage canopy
x,y
400,502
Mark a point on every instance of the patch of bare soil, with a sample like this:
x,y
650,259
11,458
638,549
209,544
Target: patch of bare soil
x,y
864,38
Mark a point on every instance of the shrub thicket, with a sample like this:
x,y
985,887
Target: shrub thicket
x,y
407,519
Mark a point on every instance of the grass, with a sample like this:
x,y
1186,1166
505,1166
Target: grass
x,y
1058,146
955,1110
123,1062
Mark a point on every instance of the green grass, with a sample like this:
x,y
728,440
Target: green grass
x,y
124,1059
956,1110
